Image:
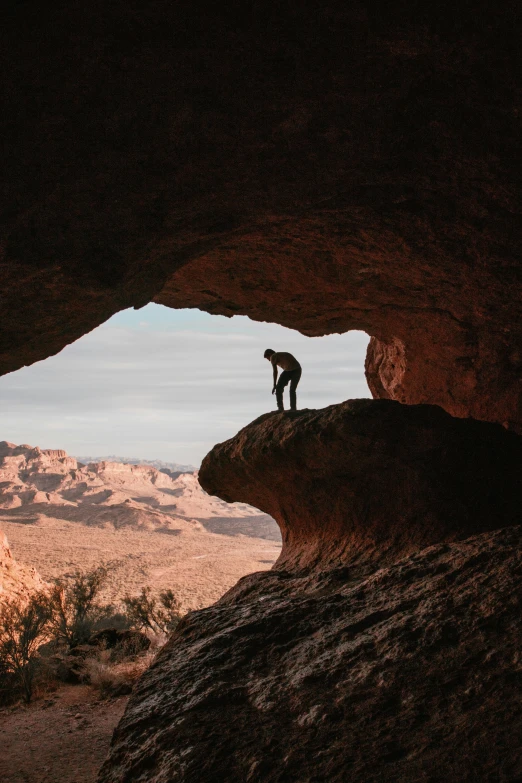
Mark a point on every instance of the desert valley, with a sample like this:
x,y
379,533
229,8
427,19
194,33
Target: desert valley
x,y
154,527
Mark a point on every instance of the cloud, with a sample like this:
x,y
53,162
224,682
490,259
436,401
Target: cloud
x,y
170,386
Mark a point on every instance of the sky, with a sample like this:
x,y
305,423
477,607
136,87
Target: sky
x,y
167,384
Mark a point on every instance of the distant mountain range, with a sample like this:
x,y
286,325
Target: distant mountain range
x,y
155,525
107,491
159,464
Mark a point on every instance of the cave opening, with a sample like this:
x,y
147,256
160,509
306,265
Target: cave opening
x,y
330,167
156,388
160,383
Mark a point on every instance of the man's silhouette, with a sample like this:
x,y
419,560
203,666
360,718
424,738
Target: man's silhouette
x,y
291,374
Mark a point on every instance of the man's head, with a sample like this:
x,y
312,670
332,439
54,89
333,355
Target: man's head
x,y
269,353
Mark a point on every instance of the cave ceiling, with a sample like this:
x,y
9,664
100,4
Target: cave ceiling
x,y
324,166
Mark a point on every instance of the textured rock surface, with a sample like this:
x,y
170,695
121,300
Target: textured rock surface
x,y
328,166
365,654
368,481
414,675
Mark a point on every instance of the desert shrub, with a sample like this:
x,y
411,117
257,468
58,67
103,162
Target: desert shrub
x,y
75,608
111,619
115,678
145,612
23,625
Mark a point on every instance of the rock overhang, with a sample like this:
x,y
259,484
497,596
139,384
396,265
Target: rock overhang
x,y
367,482
344,166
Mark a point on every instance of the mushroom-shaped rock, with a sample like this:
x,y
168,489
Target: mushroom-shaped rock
x,y
406,673
369,481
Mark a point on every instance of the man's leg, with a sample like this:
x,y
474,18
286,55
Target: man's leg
x,y
283,380
296,377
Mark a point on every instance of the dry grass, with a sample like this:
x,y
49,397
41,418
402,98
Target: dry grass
x,y
111,678
110,675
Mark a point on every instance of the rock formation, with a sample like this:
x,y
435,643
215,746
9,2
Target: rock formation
x,y
16,580
50,483
413,674
369,481
384,645
170,468
326,166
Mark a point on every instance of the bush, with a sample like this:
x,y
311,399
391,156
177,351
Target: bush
x,y
115,679
23,626
147,613
75,608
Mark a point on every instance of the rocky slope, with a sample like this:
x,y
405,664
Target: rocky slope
x,y
16,580
394,659
50,483
153,529
413,674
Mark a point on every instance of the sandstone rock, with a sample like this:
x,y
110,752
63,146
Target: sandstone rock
x,y
413,674
16,579
368,481
384,645
328,166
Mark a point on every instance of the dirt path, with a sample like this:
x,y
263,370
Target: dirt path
x,y
61,739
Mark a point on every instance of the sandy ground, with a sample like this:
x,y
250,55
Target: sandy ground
x,y
61,739
198,565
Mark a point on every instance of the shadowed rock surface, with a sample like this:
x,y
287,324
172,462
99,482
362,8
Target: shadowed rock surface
x,y
365,654
413,674
328,166
368,481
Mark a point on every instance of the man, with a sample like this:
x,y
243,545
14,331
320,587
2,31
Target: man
x,y
291,374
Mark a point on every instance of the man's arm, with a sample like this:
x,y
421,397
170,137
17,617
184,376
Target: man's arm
x,y
274,366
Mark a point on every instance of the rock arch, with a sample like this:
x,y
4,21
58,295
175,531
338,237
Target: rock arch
x,y
335,167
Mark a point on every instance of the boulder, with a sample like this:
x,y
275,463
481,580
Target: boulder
x,y
412,674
